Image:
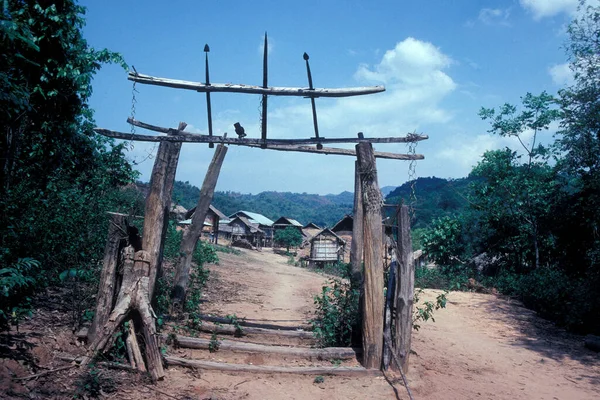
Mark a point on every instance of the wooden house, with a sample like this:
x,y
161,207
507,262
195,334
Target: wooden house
x,y
310,230
326,247
242,228
264,224
344,225
212,222
285,222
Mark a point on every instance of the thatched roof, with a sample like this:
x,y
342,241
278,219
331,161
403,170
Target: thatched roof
x,y
344,225
329,232
311,225
211,208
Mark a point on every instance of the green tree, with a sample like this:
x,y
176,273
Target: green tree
x,y
57,176
288,237
515,194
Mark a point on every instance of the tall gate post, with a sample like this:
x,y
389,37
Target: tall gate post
x,y
372,322
405,289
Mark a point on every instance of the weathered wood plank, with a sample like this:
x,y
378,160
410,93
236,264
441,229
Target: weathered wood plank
x,y
250,89
328,353
188,138
106,291
373,302
405,289
270,369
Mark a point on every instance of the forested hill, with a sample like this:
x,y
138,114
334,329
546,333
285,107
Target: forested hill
x,y
322,210
436,197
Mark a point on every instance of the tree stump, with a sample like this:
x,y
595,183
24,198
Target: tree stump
x,y
133,296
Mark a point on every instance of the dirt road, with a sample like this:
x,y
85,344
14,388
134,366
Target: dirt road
x,y
480,347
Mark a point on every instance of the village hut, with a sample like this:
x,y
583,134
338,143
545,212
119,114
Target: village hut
x,y
243,229
264,224
326,247
310,230
343,228
212,223
284,222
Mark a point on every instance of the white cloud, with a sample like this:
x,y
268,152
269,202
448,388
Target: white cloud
x,y
549,8
466,150
494,16
561,74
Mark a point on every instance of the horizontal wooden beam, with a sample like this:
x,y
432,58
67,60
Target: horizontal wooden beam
x,y
271,369
185,137
251,323
327,353
248,330
249,89
341,152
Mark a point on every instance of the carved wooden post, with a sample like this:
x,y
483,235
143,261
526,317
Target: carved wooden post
x,y
356,247
117,231
405,289
193,232
158,203
372,324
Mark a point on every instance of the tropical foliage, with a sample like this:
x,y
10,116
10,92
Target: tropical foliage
x,y
57,177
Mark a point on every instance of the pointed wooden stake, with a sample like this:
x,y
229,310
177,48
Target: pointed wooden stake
x,y
263,127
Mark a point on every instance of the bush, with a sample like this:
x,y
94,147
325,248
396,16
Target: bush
x,y
337,314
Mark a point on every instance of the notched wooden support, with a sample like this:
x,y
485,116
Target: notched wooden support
x,y
133,297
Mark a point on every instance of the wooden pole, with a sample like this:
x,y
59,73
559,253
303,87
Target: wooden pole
x,y
263,125
356,247
193,232
405,289
117,232
372,323
177,136
249,89
157,205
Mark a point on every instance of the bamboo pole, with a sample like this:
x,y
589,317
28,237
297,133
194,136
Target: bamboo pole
x,y
249,89
372,324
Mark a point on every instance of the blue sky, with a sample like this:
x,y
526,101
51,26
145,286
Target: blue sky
x,y
440,61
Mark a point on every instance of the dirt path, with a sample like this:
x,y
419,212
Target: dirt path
x,y
262,286
486,347
480,347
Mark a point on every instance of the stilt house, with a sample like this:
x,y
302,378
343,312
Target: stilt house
x,y
326,247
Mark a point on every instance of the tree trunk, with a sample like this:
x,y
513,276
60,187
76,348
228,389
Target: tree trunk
x,y
193,232
157,205
405,289
117,232
372,324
